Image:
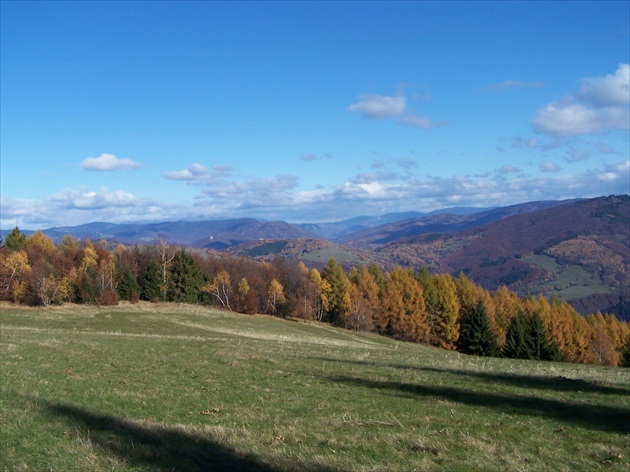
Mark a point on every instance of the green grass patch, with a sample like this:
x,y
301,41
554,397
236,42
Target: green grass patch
x,y
571,281
340,254
172,387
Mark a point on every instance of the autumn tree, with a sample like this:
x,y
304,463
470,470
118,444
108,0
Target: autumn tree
x,y
403,310
339,297
364,301
507,305
625,354
442,307
307,294
245,297
275,296
601,345
167,254
14,275
324,294
47,286
220,288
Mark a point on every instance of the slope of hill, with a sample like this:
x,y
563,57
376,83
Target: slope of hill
x,y
579,251
345,228
440,222
313,252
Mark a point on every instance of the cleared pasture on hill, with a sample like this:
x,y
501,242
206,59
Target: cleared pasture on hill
x,y
174,387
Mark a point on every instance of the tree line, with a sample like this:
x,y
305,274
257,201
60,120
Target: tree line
x,y
405,304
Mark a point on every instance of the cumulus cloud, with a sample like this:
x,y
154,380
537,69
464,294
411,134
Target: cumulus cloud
x,y
570,119
417,121
88,199
379,106
108,162
613,89
198,174
194,172
600,105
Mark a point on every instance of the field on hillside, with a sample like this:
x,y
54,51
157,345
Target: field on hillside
x,y
162,387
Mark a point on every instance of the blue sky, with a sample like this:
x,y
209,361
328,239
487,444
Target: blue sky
x,y
304,112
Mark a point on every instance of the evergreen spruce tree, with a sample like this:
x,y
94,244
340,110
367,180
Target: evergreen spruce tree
x,y
526,338
537,343
15,240
186,279
515,345
476,334
127,284
151,282
535,338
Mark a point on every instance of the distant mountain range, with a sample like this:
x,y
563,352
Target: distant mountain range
x,y
576,249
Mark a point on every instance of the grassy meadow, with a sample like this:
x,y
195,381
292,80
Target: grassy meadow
x,y
164,387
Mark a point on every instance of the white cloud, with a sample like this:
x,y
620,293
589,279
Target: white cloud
x,y
108,162
88,199
613,89
417,121
600,105
560,119
379,106
194,172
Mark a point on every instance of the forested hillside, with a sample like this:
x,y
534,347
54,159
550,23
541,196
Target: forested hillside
x,y
405,304
579,251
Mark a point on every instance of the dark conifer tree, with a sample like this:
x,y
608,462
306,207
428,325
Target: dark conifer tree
x,y
128,287
186,279
15,240
476,334
537,342
515,338
151,282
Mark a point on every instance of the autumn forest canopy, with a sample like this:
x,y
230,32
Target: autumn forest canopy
x,y
406,304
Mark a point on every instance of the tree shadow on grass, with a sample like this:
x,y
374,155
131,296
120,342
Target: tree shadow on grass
x,y
157,447
595,417
558,383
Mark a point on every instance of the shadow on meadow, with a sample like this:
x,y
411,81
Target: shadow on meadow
x,y
595,417
156,447
558,383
